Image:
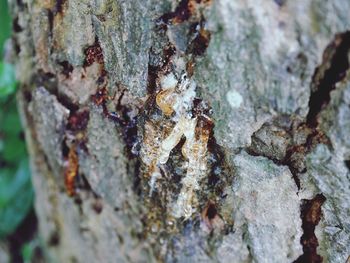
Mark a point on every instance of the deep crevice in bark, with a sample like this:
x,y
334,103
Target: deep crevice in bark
x,y
295,151
347,163
67,68
332,70
49,81
50,18
181,13
59,6
327,75
310,215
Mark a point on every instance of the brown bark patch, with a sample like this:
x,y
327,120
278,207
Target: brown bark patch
x,y
71,170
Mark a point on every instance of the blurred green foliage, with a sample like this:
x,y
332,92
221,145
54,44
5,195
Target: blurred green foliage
x,y
5,23
28,250
16,192
7,80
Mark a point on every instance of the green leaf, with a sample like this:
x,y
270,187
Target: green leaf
x,y
7,79
16,198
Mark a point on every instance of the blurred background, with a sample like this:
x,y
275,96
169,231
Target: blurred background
x,y
18,224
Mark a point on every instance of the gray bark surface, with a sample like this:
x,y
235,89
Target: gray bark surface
x,y
227,139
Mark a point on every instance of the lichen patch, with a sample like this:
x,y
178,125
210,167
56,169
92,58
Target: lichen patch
x,y
234,98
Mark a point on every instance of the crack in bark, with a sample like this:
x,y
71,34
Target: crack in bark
x,y
59,6
75,137
332,70
310,215
286,140
67,68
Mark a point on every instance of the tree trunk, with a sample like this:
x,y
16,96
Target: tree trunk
x,y
187,131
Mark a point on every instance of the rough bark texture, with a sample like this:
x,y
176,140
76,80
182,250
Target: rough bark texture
x,y
187,131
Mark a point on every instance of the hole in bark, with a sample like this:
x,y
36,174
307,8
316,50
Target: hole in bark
x,y
67,68
54,239
97,206
211,212
347,163
182,13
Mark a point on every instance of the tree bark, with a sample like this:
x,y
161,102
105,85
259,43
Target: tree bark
x,y
187,131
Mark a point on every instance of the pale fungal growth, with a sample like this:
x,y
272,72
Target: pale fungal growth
x,y
187,93
169,143
175,100
168,81
195,150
